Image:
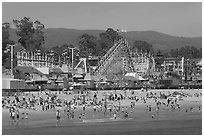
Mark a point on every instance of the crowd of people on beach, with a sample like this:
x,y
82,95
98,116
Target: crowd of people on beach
x,y
108,103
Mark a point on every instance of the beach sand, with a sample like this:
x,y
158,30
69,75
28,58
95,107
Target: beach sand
x,y
140,121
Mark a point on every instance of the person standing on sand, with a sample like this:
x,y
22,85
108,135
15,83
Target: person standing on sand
x,y
13,116
10,113
17,115
26,118
126,114
150,108
123,111
84,108
199,109
94,108
115,116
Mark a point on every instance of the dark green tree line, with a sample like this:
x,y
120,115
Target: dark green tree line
x,y
187,52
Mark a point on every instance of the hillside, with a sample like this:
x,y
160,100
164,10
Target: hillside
x,y
164,42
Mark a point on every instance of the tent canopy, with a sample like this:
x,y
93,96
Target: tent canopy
x,y
77,76
135,75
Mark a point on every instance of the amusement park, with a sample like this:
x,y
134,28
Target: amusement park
x,y
60,81
119,68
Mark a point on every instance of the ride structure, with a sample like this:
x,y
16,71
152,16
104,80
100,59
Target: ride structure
x,y
116,60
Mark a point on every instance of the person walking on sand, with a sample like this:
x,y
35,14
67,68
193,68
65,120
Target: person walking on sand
x,y
58,117
13,115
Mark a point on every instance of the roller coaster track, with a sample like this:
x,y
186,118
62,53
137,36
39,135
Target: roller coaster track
x,y
119,50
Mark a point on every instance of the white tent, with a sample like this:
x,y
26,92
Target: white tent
x,y
78,76
135,75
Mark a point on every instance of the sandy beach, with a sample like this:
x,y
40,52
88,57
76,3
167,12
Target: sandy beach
x,y
139,121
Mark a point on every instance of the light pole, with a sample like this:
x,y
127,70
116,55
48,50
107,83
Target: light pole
x,y
52,58
11,57
72,64
38,58
65,54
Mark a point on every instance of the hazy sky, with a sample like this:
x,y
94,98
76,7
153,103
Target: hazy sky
x,y
178,19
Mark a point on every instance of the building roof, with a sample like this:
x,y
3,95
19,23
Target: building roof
x,y
44,70
28,69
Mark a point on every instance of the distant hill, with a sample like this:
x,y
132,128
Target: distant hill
x,y
164,42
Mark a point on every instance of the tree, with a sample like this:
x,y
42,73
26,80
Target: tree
x,y
5,35
186,52
30,33
87,45
142,46
5,41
